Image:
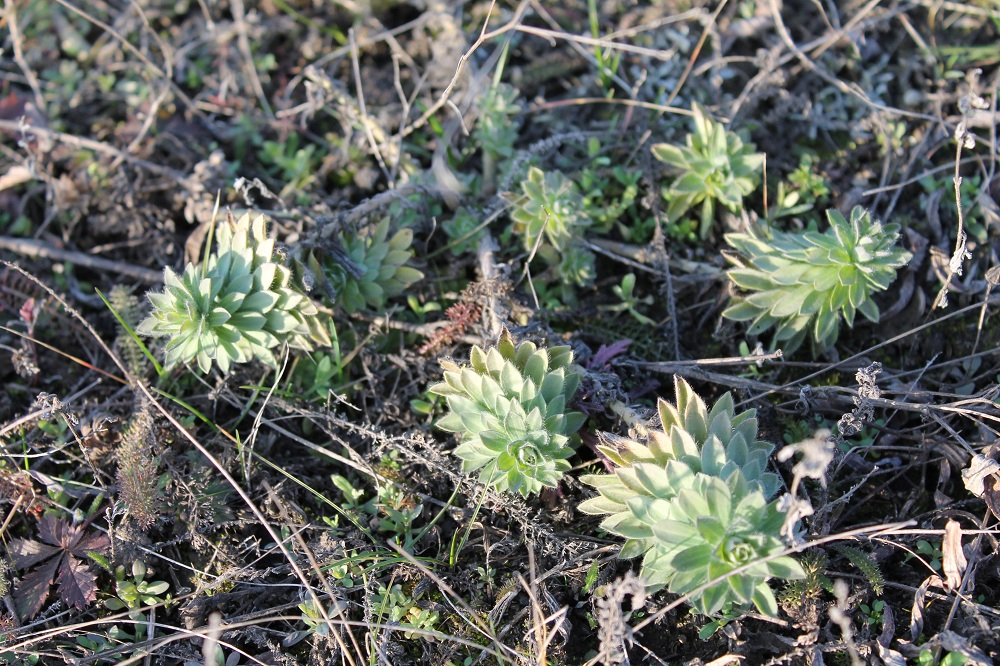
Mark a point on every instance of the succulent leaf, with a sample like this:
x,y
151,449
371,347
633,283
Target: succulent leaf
x,y
509,404
804,284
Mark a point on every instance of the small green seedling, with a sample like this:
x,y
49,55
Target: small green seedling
x,y
629,301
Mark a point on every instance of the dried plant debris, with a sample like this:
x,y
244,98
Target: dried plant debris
x,y
614,631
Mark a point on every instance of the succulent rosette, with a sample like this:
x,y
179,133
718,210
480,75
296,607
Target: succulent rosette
x,y
713,166
375,268
694,502
510,407
239,305
551,210
806,283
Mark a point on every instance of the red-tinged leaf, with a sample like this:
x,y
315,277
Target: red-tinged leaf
x,y
52,530
77,584
26,553
31,593
28,311
12,106
604,355
90,542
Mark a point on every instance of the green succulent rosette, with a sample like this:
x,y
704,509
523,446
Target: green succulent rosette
x,y
464,231
713,166
550,211
576,265
497,126
373,268
693,501
719,442
805,284
509,406
709,530
239,305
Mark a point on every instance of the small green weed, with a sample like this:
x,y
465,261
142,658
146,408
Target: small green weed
x,y
873,613
464,230
973,219
609,191
133,592
931,552
805,189
629,301
392,604
293,166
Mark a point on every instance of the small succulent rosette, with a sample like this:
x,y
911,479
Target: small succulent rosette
x,y
370,268
241,304
510,407
694,502
804,284
713,166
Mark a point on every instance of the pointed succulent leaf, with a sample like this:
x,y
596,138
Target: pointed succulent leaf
x,y
763,599
600,505
654,480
